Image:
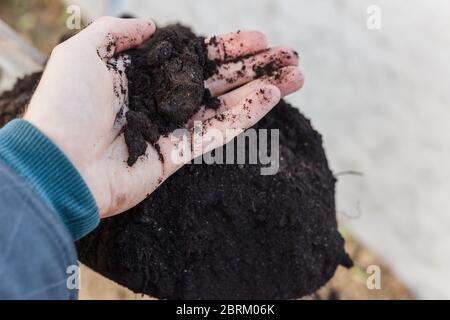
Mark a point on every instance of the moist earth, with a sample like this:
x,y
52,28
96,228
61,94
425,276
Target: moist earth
x,y
166,86
213,231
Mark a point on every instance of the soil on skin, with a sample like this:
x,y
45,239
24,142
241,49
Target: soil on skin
x,y
222,231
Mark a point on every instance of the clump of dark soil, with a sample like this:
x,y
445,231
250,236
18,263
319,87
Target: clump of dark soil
x,y
166,86
216,231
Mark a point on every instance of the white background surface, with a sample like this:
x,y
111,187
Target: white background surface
x,y
382,101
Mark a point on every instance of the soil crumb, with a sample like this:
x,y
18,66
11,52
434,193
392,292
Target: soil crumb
x,y
166,86
214,231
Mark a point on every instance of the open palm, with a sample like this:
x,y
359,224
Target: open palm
x,y
84,88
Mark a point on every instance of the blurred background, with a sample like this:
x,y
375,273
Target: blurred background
x,y
379,94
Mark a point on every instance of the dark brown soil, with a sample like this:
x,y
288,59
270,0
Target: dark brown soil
x,y
224,231
14,102
166,86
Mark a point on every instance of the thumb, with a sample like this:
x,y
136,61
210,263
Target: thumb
x,y
111,35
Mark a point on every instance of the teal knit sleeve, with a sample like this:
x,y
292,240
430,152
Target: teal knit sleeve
x,y
44,166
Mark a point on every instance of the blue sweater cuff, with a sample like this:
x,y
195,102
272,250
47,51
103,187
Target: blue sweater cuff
x,y
51,174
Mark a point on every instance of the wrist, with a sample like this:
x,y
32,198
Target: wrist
x,y
45,167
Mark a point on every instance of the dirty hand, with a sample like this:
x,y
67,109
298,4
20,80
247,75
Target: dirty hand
x,y
80,94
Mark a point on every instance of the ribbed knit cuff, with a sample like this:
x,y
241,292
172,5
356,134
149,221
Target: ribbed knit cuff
x,y
44,166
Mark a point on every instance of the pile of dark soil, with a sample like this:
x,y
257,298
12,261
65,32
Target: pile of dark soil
x,y
215,231
226,232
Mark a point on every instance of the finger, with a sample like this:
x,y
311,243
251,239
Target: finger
x,y
234,45
213,133
111,35
287,80
237,73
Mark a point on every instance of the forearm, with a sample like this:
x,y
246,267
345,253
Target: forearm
x,y
44,207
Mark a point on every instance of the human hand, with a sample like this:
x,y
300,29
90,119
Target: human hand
x,y
78,98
